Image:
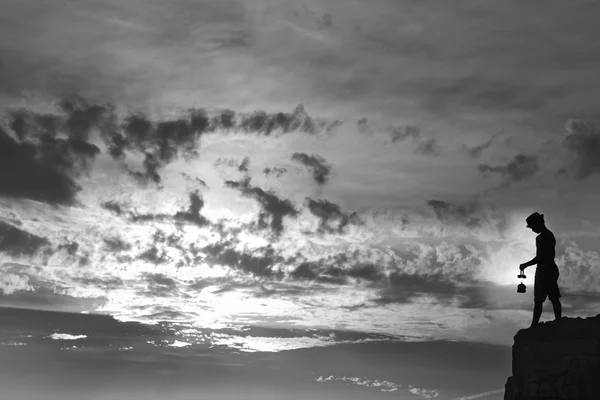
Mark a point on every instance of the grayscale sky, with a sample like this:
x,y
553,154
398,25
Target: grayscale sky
x,y
347,165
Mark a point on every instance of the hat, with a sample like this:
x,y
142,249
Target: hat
x,y
534,217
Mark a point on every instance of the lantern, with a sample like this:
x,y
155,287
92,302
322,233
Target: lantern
x,y
521,288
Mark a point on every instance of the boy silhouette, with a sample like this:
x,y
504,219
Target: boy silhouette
x,y
546,273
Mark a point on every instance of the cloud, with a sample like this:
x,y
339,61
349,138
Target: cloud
x,y
11,283
81,116
260,262
195,180
383,385
579,270
154,255
519,168
462,214
109,283
160,284
583,141
277,171
426,393
43,168
429,147
403,287
403,133
274,209
243,167
476,151
305,270
264,123
49,165
193,213
319,167
479,395
116,244
71,247
15,242
331,217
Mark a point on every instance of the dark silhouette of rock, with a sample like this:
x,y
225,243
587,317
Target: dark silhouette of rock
x,y
556,361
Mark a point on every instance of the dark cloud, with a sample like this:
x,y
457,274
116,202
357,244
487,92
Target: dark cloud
x,y
43,168
135,217
362,124
583,140
465,214
332,219
193,213
160,285
47,164
429,147
116,144
173,136
112,283
403,287
230,162
160,142
277,171
335,269
70,247
195,180
259,262
305,270
321,170
367,272
51,150
150,173
403,133
138,131
81,116
520,167
25,123
225,120
475,152
154,256
15,242
274,209
112,206
243,167
116,244
298,120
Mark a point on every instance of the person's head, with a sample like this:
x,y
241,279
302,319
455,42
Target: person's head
x,y
535,222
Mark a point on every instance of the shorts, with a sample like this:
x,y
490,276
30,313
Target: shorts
x,y
546,283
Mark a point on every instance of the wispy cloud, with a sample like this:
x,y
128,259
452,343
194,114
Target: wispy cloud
x,y
479,395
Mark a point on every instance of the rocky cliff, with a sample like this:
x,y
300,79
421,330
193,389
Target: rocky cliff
x,y
556,361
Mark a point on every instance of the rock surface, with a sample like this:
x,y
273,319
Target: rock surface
x,y
556,361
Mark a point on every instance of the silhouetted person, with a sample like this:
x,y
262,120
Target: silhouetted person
x,y
546,273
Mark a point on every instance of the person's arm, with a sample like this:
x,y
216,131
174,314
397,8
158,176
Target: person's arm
x,y
533,261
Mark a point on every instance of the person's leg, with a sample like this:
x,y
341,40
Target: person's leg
x,y
557,308
554,296
539,296
537,312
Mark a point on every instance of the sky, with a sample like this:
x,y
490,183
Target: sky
x,y
340,165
